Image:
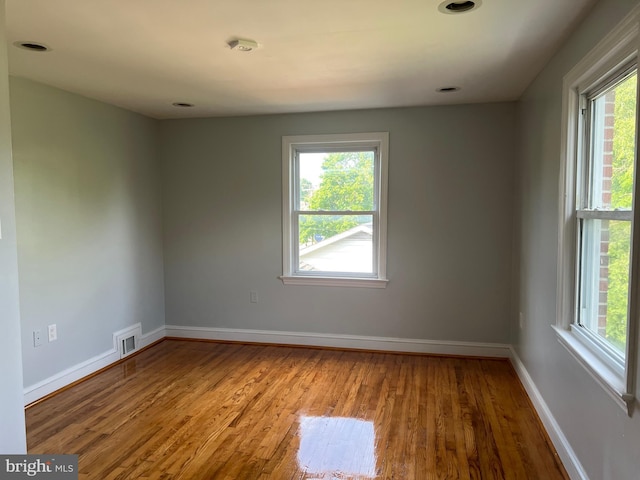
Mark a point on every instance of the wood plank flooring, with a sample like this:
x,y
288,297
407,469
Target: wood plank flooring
x,y
199,411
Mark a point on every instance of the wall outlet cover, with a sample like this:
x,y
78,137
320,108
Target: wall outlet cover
x,y
37,338
53,332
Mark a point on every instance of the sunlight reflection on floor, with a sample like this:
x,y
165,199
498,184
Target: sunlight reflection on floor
x,y
337,447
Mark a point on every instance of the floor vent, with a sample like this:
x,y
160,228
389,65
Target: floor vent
x,y
127,341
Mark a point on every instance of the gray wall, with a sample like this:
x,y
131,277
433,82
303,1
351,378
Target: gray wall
x,y
604,438
450,224
90,236
12,431
88,221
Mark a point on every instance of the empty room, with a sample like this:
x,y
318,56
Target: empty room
x,y
319,240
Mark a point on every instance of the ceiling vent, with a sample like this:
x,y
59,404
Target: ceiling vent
x,y
450,7
32,46
448,89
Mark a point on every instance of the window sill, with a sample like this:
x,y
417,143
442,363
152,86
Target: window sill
x,y
609,380
335,281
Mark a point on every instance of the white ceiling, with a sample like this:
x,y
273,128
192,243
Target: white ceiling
x,y
144,55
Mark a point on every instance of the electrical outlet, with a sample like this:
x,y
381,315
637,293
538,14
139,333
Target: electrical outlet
x,y
253,297
37,338
53,333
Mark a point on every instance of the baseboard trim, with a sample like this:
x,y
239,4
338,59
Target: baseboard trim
x,y
569,459
49,386
86,369
356,342
83,370
154,336
60,380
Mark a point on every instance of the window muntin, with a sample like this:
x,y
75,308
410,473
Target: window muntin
x,y
334,209
605,213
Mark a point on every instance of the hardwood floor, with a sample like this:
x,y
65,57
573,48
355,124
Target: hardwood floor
x,y
194,410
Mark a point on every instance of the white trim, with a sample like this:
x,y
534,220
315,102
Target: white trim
x,y
384,344
153,336
380,140
610,51
134,331
68,376
610,381
334,281
624,215
615,50
383,194
568,457
494,350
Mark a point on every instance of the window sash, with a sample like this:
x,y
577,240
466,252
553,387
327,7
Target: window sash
x,y
335,149
587,147
317,273
588,292
588,214
297,212
293,146
609,355
617,50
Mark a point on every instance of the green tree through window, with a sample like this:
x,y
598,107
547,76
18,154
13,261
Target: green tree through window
x,y
621,197
346,184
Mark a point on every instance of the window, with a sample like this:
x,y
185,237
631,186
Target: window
x,y
334,209
605,212
599,234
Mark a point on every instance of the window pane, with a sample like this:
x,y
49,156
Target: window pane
x,y
336,243
612,147
336,181
605,280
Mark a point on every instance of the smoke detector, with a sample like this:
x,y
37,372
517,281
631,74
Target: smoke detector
x,y
243,45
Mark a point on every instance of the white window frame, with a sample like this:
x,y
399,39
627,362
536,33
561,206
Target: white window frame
x,y
616,50
290,144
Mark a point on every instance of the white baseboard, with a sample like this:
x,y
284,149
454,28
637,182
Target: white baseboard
x,y
81,370
567,455
70,375
387,344
153,336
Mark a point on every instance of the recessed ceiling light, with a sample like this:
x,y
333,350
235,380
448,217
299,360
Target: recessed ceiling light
x,y
242,45
182,104
448,89
459,7
33,46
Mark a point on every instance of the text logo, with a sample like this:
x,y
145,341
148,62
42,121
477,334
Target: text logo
x,y
51,467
